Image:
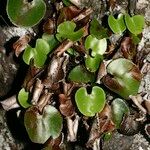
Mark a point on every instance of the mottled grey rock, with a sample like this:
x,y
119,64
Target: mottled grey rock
x,y
118,142
7,142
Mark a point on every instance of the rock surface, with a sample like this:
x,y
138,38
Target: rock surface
x,y
7,141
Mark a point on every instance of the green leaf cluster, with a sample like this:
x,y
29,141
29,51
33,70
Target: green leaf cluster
x,y
134,24
39,54
98,48
97,30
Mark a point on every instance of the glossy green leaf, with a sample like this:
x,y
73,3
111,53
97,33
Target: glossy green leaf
x,y
66,31
97,30
117,25
90,104
39,59
71,51
124,78
51,40
67,2
24,13
134,24
79,74
23,98
28,54
42,47
136,39
92,63
97,46
119,109
39,53
108,136
40,127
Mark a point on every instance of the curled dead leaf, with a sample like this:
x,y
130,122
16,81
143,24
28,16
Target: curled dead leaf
x,y
128,48
111,82
105,120
54,144
37,90
49,26
101,72
55,71
102,124
20,45
147,130
129,125
136,73
147,105
66,107
32,74
10,103
112,4
68,13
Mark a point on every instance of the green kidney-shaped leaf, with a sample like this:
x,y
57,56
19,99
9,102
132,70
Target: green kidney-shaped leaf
x,y
92,63
39,59
28,54
23,98
72,51
97,46
51,40
42,47
24,13
66,2
134,24
40,127
97,30
123,77
119,109
136,38
66,31
117,25
79,74
108,136
39,53
89,104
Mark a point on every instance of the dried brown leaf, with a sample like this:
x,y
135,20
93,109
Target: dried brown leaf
x,y
68,13
128,48
10,103
31,76
66,107
49,26
54,144
112,4
105,122
101,72
55,72
129,125
111,82
102,124
147,130
20,45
